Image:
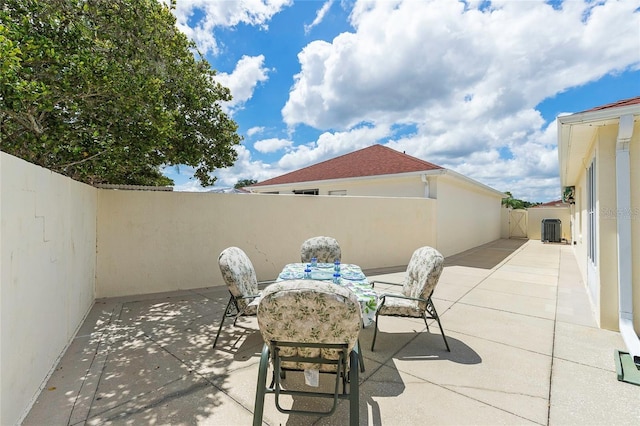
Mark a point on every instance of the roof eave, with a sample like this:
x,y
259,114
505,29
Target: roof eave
x,y
311,183
586,123
433,172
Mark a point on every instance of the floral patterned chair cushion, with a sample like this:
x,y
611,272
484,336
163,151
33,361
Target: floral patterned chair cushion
x,y
240,276
325,249
309,311
420,280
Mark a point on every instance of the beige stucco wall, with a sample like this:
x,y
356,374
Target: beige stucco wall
x,y
604,288
47,244
537,214
159,241
468,216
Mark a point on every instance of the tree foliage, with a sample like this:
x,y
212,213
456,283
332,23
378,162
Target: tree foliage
x,y
244,182
514,203
108,91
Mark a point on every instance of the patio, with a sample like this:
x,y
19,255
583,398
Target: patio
x,y
525,349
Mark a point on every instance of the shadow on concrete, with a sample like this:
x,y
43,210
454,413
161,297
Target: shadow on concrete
x,y
486,256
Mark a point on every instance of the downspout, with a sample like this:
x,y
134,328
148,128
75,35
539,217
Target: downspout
x,y
425,180
623,219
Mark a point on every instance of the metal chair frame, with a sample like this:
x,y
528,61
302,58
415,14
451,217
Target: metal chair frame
x,y
229,312
348,377
429,312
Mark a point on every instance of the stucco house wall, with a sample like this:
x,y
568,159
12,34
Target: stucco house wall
x,y
401,185
583,138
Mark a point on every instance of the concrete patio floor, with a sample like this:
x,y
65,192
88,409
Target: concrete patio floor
x,y
525,349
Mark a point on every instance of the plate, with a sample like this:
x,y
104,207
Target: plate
x,y
325,265
353,276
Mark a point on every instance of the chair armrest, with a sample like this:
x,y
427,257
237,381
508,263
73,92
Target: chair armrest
x,y
373,283
401,296
251,296
265,283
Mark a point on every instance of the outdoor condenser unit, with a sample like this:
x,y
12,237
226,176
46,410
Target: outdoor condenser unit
x,y
551,230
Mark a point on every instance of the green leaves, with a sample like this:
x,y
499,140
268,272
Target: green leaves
x,y
108,92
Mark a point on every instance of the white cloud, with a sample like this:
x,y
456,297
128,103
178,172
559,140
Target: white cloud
x,y
319,16
331,145
245,168
271,145
408,56
255,130
222,14
242,82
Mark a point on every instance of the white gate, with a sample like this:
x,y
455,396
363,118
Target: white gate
x,y
518,223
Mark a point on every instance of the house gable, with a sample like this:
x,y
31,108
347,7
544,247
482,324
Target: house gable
x,y
376,160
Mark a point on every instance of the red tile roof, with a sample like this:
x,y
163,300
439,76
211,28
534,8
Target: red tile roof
x,y
621,103
371,161
557,203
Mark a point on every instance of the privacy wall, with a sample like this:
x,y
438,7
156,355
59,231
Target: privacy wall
x,y
160,241
48,251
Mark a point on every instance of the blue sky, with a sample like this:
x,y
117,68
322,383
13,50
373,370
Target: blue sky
x,y
472,86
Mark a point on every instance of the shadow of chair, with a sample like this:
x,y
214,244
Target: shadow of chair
x,y
421,277
309,326
240,277
324,249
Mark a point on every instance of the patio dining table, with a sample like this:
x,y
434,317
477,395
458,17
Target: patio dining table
x,y
351,277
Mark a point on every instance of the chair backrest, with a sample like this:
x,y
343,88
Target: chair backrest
x,y
325,249
423,272
238,273
309,311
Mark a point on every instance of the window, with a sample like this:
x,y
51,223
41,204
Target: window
x,y
338,192
305,191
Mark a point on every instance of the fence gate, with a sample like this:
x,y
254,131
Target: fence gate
x,y
518,223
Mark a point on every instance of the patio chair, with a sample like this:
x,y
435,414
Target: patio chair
x,y
422,275
325,249
310,326
240,276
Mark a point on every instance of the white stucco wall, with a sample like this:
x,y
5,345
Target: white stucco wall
x,y
159,241
603,288
47,245
468,216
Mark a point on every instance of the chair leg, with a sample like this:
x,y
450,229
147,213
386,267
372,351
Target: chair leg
x,y
226,312
360,357
354,388
437,318
258,408
375,333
